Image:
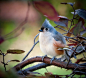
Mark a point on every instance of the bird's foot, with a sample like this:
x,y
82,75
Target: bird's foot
x,y
52,59
43,57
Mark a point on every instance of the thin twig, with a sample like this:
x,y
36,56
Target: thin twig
x,y
84,56
4,61
74,12
72,20
60,28
30,51
72,38
35,37
73,70
32,47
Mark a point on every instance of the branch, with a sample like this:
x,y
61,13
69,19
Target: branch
x,y
33,68
47,60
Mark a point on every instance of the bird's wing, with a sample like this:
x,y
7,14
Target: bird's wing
x,y
59,37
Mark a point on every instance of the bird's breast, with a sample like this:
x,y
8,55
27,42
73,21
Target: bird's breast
x,y
46,44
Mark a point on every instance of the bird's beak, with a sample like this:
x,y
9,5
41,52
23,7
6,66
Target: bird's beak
x,y
41,30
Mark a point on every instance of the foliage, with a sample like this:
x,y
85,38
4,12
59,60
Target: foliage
x,y
74,34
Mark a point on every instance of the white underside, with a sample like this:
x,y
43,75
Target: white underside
x,y
46,43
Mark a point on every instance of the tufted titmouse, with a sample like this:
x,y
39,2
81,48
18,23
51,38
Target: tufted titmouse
x,y
50,40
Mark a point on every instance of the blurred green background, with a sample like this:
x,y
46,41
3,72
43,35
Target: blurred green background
x,y
12,17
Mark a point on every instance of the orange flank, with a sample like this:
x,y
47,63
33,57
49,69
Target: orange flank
x,y
57,45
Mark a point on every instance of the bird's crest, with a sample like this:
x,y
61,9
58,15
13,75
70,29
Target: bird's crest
x,y
46,24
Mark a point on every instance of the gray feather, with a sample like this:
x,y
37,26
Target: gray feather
x,y
59,37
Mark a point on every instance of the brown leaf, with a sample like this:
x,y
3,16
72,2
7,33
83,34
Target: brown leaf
x,y
13,61
46,9
74,44
15,51
70,32
78,60
72,41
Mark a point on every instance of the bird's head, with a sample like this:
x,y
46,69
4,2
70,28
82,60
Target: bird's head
x,y
47,27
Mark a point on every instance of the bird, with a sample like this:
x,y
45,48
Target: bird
x,y
51,40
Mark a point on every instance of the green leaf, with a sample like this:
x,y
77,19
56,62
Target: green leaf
x,y
77,28
15,51
80,48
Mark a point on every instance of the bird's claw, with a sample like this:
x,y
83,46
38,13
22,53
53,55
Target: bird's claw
x,y
52,59
43,57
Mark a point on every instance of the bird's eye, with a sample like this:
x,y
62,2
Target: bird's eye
x,y
46,29
42,28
